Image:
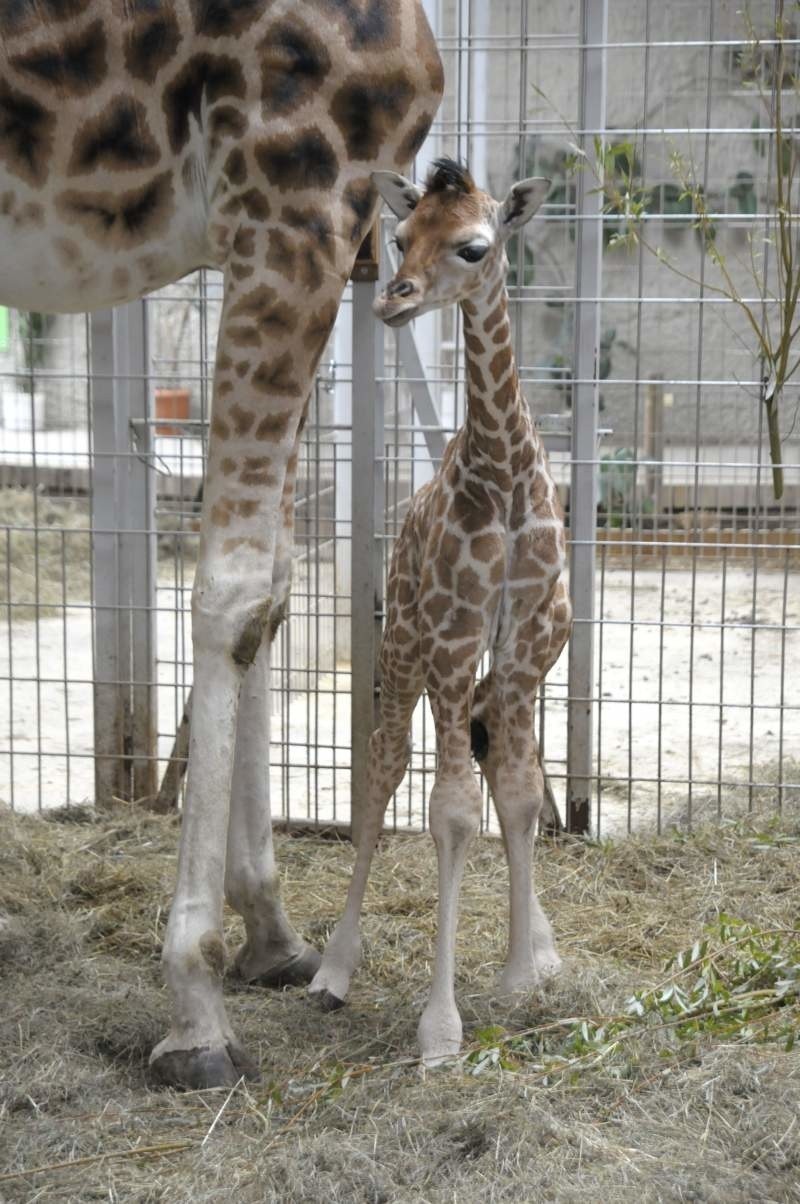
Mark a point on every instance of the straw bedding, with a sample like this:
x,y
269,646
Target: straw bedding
x,y
570,1094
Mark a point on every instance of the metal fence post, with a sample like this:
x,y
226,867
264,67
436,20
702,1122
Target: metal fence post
x,y
584,477
123,558
366,573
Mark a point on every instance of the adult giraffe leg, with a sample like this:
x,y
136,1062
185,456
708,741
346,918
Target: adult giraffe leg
x,y
273,954
267,355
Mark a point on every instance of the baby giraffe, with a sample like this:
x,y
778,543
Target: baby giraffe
x,y
479,565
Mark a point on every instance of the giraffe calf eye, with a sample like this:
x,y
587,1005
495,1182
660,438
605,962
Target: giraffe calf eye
x,y
473,253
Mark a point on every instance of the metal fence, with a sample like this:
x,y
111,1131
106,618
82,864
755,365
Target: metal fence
x,y
676,702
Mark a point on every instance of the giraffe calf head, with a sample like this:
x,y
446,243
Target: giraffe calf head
x,y
451,237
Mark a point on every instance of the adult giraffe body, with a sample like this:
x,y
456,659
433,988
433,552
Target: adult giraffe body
x,y
140,139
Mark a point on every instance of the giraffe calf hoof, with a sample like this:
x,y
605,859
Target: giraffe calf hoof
x,y
549,966
204,1067
511,985
440,1055
294,971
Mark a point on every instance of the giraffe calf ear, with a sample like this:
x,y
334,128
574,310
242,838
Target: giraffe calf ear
x,y
399,193
523,200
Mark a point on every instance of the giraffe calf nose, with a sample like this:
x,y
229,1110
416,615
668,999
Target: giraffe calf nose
x,y
400,288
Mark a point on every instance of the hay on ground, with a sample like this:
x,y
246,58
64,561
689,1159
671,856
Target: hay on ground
x,y
551,1101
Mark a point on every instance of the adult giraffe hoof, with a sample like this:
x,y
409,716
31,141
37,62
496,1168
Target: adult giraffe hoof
x,y
294,971
198,1069
326,1001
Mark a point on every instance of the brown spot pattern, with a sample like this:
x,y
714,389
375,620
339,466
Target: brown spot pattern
x,y
244,243
298,160
204,79
280,254
294,63
318,330
367,23
500,363
241,419
235,168
74,66
256,471
255,204
428,53
413,140
360,196
18,16
276,378
119,139
225,18
120,219
312,224
225,121
273,427
368,108
151,44
26,135
263,315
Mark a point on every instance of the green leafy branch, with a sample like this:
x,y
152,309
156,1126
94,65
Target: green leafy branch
x,y
737,982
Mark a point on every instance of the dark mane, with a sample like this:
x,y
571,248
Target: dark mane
x,y
447,173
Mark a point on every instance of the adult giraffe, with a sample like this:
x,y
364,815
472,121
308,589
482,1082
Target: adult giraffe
x,y
140,139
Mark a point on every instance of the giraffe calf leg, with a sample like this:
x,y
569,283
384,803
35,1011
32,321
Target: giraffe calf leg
x,y
508,754
455,811
518,793
388,757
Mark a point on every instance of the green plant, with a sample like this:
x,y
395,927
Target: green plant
x,y
735,983
617,486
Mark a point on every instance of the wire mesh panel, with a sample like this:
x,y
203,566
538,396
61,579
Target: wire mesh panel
x,y
46,578
696,710
691,598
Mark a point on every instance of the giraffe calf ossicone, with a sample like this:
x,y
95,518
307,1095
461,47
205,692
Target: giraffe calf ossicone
x,y
479,566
